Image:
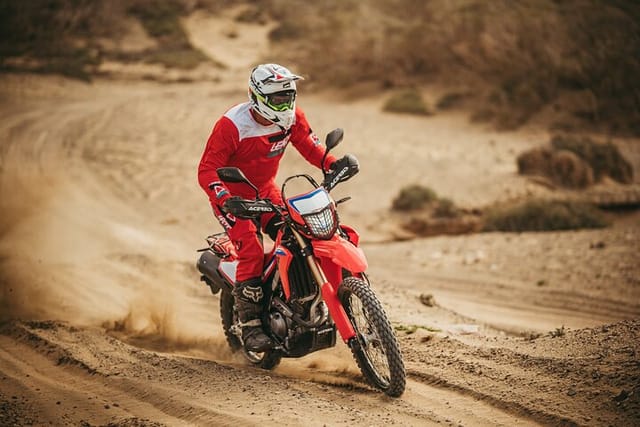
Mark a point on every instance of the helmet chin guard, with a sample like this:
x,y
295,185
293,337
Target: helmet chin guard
x,y
272,92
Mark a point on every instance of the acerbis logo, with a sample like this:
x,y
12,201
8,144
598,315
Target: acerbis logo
x,y
342,173
259,209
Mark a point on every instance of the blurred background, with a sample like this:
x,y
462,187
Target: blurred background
x,y
575,64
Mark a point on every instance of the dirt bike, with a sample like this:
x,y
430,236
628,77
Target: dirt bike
x,y
314,281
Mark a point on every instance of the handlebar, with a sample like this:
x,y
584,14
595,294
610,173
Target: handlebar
x,y
343,169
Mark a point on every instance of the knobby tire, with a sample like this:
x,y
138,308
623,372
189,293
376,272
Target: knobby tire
x,y
267,360
375,347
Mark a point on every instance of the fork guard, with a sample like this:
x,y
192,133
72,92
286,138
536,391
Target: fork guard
x,y
335,255
342,253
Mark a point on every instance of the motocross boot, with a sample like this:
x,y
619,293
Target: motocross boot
x,y
249,296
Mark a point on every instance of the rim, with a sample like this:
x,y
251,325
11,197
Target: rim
x,y
370,341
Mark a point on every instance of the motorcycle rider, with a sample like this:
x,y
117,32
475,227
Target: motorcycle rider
x,y
252,136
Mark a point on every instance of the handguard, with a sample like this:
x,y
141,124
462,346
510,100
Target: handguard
x,y
246,209
343,169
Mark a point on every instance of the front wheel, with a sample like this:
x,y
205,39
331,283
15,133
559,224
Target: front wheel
x,y
374,347
230,324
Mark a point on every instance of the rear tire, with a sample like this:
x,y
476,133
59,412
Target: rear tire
x,y
266,360
375,347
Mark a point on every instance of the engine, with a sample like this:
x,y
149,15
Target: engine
x,y
298,340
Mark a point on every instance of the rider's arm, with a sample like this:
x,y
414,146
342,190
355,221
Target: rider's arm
x,y
220,147
307,143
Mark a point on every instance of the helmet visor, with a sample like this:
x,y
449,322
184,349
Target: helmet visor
x,y
281,101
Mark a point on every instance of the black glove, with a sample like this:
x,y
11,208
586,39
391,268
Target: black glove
x,y
341,170
235,205
348,161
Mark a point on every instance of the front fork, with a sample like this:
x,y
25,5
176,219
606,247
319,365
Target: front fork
x,y
329,293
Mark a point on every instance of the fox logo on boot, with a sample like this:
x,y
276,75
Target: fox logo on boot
x,y
254,294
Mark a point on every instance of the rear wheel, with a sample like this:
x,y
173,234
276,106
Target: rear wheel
x,y
266,360
375,346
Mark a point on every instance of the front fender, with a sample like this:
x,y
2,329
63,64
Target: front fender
x,y
341,252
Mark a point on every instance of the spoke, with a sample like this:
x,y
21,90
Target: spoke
x,y
370,339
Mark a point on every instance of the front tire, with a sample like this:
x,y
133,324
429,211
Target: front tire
x,y
375,347
230,324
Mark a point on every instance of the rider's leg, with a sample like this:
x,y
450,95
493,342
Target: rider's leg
x,y
249,297
248,290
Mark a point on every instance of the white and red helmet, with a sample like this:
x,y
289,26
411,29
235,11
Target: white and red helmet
x,y
272,91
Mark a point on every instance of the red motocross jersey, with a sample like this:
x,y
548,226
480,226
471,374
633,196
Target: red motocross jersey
x,y
238,140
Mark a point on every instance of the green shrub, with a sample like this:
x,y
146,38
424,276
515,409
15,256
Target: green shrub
x,y
413,197
544,215
407,101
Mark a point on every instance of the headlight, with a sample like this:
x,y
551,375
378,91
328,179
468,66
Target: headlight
x,y
317,211
323,224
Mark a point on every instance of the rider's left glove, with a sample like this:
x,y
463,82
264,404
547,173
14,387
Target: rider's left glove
x,y
348,160
233,205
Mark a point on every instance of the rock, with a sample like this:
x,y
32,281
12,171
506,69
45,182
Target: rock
x,y
622,396
428,300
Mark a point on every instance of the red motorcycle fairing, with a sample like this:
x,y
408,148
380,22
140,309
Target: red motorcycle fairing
x,y
352,234
284,261
336,254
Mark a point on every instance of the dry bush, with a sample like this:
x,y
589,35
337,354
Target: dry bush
x,y
425,225
536,161
62,36
431,215
413,197
517,56
54,36
576,162
408,101
562,167
543,215
569,170
604,159
445,208
452,100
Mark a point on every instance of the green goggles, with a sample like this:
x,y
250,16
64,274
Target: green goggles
x,y
280,101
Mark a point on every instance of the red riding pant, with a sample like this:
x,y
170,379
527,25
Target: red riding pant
x,y
246,237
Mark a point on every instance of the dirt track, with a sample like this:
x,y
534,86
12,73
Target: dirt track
x,y
101,216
